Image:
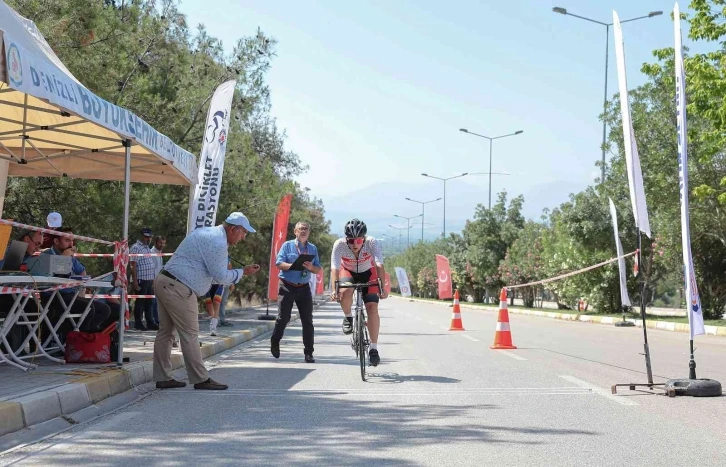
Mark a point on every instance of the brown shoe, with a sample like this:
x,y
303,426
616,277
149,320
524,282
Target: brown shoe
x,y
211,385
171,384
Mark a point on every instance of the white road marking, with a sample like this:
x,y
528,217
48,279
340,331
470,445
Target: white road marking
x,y
469,337
600,391
568,390
511,355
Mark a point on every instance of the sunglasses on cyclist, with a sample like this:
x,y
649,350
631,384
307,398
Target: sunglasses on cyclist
x,y
355,241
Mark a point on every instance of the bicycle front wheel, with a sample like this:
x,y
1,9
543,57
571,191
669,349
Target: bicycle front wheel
x,y
361,326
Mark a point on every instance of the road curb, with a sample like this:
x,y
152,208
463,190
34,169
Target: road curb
x,y
26,411
662,325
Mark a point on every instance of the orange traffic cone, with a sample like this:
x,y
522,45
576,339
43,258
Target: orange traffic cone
x,y
503,336
456,324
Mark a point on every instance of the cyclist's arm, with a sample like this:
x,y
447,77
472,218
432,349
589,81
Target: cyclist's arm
x,y
335,262
382,277
333,278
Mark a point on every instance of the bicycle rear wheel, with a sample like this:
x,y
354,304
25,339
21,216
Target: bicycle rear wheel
x,y
361,326
355,337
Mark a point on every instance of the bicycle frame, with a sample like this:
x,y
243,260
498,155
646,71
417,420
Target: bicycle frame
x,y
359,339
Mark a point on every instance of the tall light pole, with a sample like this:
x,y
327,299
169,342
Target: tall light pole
x,y
491,140
408,225
445,180
400,229
563,11
423,210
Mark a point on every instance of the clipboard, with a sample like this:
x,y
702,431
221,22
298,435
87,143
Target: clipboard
x,y
298,264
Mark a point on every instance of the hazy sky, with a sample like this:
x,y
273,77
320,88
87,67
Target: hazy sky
x,y
376,91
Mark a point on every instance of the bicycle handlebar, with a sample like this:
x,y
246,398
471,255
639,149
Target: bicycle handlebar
x,y
353,285
359,285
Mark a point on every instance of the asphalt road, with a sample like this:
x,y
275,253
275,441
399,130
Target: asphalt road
x,y
438,398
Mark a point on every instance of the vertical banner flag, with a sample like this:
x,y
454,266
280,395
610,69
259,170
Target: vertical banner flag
x,y
205,202
279,234
387,283
624,298
446,289
635,176
403,284
695,312
320,286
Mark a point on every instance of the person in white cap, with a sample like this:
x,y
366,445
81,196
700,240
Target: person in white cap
x,y
53,221
200,260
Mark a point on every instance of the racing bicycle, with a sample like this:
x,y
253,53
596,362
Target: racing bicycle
x,y
359,339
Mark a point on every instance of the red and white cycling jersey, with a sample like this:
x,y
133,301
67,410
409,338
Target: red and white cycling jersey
x,y
368,257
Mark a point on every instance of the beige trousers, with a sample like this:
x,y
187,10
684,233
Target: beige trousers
x,y
177,310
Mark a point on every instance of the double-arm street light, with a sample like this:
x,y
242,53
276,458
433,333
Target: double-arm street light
x,y
408,225
491,140
423,211
563,11
445,180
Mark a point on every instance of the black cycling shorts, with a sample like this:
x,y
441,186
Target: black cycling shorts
x,y
370,294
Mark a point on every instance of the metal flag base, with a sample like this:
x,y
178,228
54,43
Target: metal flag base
x,y
633,386
267,316
624,323
693,387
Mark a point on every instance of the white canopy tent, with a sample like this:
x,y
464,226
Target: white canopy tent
x,y
53,126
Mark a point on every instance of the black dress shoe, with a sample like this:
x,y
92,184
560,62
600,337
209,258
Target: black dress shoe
x,y
171,384
210,384
153,327
309,359
275,349
141,328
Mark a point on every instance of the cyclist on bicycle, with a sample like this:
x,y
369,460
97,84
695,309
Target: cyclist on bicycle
x,y
359,259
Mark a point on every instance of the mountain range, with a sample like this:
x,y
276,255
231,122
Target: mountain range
x,y
378,204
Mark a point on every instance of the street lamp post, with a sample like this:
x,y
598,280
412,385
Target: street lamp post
x,y
408,226
491,140
400,229
564,11
445,180
423,211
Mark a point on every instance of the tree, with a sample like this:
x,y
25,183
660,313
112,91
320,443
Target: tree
x,y
523,261
142,55
487,238
654,121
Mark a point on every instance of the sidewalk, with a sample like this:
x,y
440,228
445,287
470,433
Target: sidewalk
x,y
55,390
652,324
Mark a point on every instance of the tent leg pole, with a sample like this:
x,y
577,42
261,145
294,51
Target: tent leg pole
x,y
124,300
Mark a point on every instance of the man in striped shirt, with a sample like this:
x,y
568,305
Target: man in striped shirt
x,y
143,270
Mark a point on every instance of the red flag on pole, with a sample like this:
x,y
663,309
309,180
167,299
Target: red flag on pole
x,y
279,234
444,277
387,283
320,289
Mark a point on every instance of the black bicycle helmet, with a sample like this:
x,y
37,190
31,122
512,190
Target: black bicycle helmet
x,y
355,228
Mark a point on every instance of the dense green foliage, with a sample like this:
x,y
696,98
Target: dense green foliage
x,y
143,55
498,248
